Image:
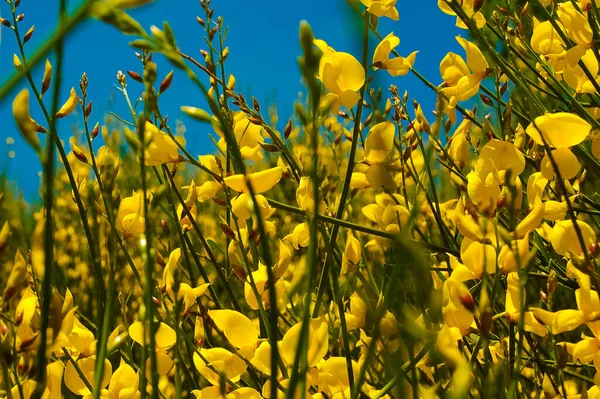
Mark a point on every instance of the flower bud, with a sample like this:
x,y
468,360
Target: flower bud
x,y
166,83
28,34
95,130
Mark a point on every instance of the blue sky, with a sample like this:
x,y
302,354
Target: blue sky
x,y
263,42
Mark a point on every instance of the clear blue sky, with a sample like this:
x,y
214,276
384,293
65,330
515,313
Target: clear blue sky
x,y
263,42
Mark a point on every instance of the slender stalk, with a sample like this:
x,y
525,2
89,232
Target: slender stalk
x,y
351,159
48,207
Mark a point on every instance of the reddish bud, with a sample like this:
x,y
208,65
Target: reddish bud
x,y
28,34
88,109
256,104
200,21
288,129
95,130
135,76
239,271
219,201
255,121
80,156
166,83
468,302
228,231
211,34
269,147
165,227
20,17
343,114
5,22
486,100
254,236
595,249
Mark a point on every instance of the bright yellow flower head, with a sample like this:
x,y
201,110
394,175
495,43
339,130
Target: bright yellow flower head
x,y
462,79
468,7
559,130
27,126
397,66
130,216
247,134
382,8
162,149
342,75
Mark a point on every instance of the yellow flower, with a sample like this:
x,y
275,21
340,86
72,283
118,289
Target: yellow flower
x,y
248,135
238,329
130,216
69,106
342,75
378,149
27,126
162,148
397,66
222,361
87,366
459,146
565,241
242,205
17,276
545,39
382,8
318,341
462,80
468,7
165,337
576,24
576,78
124,383
559,130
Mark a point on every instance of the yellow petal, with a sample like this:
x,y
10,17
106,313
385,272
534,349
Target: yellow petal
x,y
560,130
69,106
27,126
238,328
475,59
564,238
261,181
567,162
221,360
380,142
165,336
87,365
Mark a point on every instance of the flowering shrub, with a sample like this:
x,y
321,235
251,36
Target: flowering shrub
x,y
370,249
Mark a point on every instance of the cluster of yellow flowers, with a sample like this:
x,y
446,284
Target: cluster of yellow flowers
x,y
467,265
